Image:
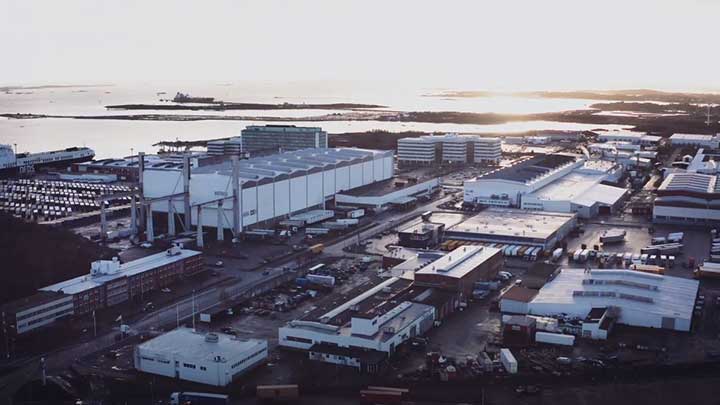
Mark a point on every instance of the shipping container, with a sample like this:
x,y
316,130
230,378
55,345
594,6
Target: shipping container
x,y
289,392
358,213
554,338
317,231
648,268
328,281
508,361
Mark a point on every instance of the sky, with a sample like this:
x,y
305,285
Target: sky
x,y
494,45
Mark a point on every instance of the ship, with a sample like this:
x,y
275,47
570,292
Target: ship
x,y
187,98
613,236
12,164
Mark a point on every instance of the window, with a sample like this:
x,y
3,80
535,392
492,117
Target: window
x,y
299,339
203,368
188,365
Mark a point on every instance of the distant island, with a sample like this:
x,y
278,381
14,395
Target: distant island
x,y
639,95
225,106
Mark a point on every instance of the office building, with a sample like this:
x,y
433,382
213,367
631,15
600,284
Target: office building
x,y
448,149
36,311
281,138
111,282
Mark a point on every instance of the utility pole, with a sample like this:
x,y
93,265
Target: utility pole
x,y
193,309
5,332
44,372
94,324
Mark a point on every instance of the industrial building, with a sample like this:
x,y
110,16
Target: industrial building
x,y
636,298
515,226
421,235
504,186
560,183
367,328
458,270
449,148
581,191
688,198
699,140
690,195
111,282
258,139
631,137
268,188
36,311
207,358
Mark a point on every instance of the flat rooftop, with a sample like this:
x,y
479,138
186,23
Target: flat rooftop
x,y
510,222
582,189
459,262
303,160
147,263
692,137
694,182
530,168
422,227
662,295
192,345
390,185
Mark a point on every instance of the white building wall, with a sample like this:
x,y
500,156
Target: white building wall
x,y
342,179
368,176
513,307
44,315
271,201
282,197
315,189
356,176
317,336
695,214
485,188
175,364
389,168
265,202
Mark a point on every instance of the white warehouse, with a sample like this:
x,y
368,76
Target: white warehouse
x,y
271,187
560,183
640,299
213,358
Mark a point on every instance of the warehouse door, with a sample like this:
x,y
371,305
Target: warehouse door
x,y
668,323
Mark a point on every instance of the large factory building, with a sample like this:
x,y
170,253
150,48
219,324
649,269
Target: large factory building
x,y
271,187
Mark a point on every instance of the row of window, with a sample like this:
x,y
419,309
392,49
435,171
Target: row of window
x,y
46,309
299,340
163,361
247,358
45,318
